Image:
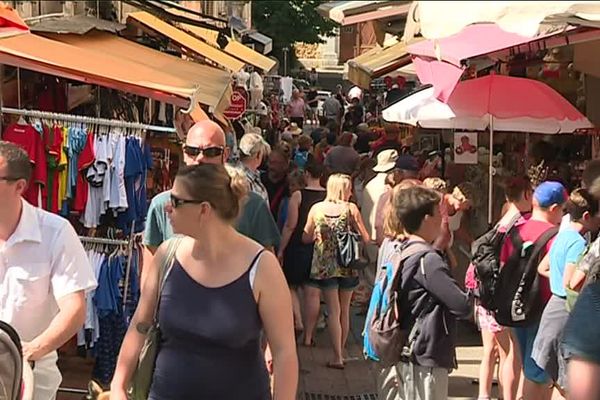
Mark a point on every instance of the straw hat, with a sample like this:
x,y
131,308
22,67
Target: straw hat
x,y
294,129
386,160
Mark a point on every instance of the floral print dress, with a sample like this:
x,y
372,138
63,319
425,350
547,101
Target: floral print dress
x,y
325,264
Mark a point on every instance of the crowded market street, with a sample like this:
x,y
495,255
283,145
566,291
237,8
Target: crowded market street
x,y
299,199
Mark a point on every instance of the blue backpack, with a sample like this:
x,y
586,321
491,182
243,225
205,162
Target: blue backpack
x,y
384,335
300,159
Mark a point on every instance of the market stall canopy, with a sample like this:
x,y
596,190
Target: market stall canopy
x,y
472,41
233,47
79,24
353,12
439,19
493,102
215,83
511,104
10,22
441,62
376,63
264,42
153,24
102,67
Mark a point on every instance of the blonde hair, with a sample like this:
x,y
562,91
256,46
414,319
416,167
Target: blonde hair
x,y
337,187
392,227
214,184
436,184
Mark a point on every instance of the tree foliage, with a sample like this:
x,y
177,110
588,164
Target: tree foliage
x,y
288,22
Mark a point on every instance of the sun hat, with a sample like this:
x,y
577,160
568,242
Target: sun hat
x,y
386,160
294,129
251,144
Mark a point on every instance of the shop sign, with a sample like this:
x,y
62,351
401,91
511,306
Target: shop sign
x,y
238,103
465,148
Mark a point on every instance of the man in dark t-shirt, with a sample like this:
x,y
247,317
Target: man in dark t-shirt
x,y
275,180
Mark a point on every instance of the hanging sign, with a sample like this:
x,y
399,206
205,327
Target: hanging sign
x,y
465,147
238,103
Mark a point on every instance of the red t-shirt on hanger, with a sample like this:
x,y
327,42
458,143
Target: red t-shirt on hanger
x,y
85,160
29,139
53,141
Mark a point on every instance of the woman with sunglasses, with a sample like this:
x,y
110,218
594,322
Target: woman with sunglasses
x,y
215,303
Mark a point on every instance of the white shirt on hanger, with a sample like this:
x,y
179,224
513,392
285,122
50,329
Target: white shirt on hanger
x,y
95,206
118,195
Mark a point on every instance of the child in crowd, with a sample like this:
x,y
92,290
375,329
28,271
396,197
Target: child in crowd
x,y
558,266
434,297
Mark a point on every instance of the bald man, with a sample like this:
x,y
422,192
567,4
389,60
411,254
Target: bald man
x,y
205,143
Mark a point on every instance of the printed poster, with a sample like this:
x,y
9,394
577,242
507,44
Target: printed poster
x,y
465,147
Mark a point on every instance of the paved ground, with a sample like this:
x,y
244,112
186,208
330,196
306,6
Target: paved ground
x,y
357,379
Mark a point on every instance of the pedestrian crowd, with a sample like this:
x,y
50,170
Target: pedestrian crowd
x,y
240,257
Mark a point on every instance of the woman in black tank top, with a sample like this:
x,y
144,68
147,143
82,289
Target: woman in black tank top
x,y
215,303
294,255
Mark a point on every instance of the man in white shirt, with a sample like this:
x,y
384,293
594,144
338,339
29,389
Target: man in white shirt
x,y
386,162
44,273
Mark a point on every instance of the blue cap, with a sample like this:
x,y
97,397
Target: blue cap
x,y
549,193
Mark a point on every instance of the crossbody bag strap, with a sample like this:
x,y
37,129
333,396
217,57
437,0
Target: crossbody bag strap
x,y
163,271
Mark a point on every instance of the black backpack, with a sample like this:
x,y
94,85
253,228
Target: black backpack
x,y
485,257
517,299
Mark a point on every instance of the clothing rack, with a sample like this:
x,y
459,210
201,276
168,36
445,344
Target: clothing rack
x,y
84,119
97,240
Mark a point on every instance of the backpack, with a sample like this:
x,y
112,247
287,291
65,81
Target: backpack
x,y
482,275
11,364
384,336
517,299
300,159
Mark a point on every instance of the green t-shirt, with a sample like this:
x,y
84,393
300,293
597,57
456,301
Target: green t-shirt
x,y
255,222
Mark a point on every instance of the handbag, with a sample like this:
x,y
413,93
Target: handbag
x,y
142,377
348,250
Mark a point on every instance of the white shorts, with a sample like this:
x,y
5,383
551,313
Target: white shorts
x,y
46,377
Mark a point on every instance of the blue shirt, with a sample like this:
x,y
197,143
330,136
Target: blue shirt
x,y
566,249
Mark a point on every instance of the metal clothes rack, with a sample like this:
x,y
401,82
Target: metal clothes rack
x,y
84,119
118,242
97,240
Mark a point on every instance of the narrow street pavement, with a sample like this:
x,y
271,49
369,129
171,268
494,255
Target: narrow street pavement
x,y
317,382
358,381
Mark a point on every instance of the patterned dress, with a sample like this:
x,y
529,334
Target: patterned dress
x,y
325,263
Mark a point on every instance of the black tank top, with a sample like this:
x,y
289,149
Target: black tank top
x,y
210,345
310,197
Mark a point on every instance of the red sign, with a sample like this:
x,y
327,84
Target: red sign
x,y
238,105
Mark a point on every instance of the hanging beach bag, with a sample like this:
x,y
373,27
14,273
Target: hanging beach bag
x,y
142,378
348,248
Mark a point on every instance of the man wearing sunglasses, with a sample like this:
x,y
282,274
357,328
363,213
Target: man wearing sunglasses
x,y
205,143
44,273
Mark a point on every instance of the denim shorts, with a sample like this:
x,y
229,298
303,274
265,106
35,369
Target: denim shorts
x,y
340,283
526,337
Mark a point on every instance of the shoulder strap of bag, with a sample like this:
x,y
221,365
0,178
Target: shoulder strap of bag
x,y
164,268
405,252
541,243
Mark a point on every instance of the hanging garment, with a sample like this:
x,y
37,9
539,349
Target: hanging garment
x,y
95,177
118,194
31,141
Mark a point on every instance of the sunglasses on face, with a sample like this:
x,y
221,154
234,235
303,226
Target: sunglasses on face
x,y
177,202
208,152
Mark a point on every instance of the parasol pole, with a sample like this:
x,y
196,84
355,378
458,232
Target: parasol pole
x,y
491,172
